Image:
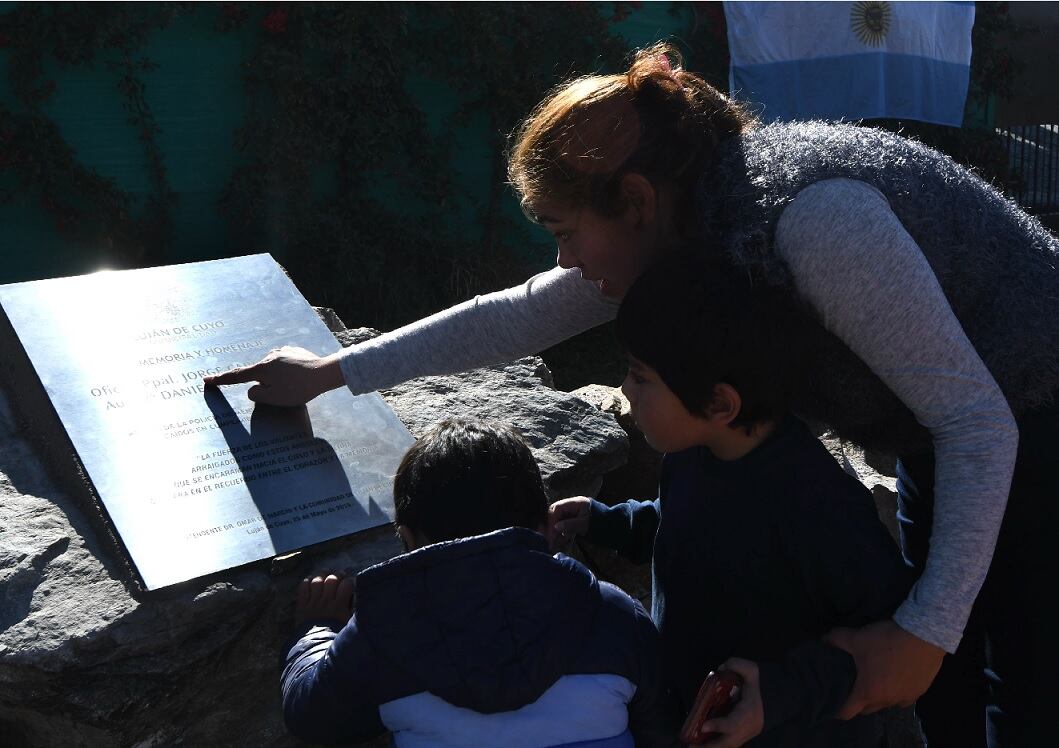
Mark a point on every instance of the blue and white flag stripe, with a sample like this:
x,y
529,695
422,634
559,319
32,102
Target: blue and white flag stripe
x,y
851,60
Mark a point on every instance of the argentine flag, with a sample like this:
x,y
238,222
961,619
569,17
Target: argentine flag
x,y
859,60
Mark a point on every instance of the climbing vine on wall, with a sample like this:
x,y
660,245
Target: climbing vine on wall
x,y
338,167
339,170
82,204
342,161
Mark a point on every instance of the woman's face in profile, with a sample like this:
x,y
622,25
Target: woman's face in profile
x,y
610,251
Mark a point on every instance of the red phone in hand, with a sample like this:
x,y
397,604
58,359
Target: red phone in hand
x,y
718,694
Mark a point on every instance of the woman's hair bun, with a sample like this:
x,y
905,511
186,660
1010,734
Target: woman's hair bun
x,y
656,119
660,64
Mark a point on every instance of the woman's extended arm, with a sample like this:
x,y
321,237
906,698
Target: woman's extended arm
x,y
488,329
853,261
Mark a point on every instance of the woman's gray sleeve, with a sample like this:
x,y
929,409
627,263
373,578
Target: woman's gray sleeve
x,y
488,329
868,280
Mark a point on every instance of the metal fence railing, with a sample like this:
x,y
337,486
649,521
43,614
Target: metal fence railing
x,y
1033,161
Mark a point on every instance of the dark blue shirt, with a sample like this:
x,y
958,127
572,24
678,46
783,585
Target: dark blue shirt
x,y
758,558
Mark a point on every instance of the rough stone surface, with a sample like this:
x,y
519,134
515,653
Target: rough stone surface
x,y
84,663
573,460
875,470
354,336
636,479
330,318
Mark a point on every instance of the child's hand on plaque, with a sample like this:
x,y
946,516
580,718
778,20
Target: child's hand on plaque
x,y
324,597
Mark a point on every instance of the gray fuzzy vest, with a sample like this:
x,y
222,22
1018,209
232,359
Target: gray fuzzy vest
x,y
996,264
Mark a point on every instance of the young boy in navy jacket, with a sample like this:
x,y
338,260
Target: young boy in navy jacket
x,y
477,636
760,542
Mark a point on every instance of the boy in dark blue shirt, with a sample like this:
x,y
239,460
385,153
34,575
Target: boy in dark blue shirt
x,y
760,542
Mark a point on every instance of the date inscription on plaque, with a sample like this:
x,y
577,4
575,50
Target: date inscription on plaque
x,y
196,480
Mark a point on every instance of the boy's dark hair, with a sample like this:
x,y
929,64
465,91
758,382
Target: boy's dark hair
x,y
464,478
700,321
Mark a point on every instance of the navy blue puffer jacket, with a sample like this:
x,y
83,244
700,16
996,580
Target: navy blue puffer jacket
x,y
483,641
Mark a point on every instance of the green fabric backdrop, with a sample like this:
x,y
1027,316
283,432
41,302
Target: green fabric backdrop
x,y
197,97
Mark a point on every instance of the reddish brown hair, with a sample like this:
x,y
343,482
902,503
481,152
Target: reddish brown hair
x,y
656,119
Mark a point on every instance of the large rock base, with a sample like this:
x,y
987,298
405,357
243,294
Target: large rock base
x,y
85,663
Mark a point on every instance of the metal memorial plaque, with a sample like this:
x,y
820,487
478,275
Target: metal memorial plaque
x,y
196,480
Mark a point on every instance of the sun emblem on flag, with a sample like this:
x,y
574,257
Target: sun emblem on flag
x,y
871,21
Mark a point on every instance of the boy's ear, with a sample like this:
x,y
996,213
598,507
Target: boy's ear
x,y
640,197
407,537
725,404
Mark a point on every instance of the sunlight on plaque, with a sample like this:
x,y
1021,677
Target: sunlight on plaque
x,y
193,479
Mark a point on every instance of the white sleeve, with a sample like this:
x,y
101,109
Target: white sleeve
x,y
488,329
853,261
